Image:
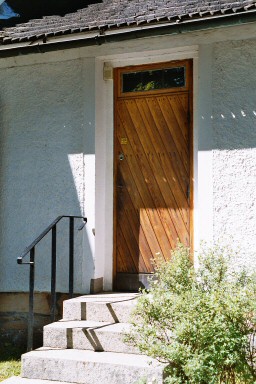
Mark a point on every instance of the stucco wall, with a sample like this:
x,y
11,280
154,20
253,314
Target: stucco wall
x,y
234,147
47,151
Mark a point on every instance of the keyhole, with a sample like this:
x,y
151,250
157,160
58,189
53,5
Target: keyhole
x,y
121,156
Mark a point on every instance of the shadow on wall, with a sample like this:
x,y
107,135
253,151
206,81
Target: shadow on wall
x,y
42,127
233,128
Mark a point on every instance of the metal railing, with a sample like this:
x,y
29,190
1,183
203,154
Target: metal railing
x,y
31,251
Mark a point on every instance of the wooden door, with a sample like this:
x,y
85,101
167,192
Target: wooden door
x,y
153,159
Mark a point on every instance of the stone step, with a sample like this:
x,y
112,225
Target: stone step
x,y
88,367
91,335
105,307
22,380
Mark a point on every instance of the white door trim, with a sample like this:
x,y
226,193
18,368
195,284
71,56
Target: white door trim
x,y
104,132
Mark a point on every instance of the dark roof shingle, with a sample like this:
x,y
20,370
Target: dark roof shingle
x,y
113,14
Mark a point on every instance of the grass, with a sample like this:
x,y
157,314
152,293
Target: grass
x,y
9,361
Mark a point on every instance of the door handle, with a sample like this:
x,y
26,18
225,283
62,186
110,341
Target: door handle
x,y
121,156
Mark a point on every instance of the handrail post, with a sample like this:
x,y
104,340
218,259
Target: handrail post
x,y
31,300
53,274
71,257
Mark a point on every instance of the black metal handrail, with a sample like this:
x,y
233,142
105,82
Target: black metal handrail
x,y
31,251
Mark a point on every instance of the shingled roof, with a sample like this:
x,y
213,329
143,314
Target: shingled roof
x,y
117,14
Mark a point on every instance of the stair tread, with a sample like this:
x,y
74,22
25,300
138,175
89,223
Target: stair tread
x,y
87,324
107,307
22,380
113,358
89,367
125,298
89,335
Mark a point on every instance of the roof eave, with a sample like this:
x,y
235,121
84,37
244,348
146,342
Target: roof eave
x,y
101,36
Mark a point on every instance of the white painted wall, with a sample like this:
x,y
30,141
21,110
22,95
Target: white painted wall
x,y
47,151
234,147
52,127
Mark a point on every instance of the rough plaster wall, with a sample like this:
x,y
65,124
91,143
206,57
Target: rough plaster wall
x,y
234,156
47,129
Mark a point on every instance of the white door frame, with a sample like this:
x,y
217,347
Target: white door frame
x,y
104,132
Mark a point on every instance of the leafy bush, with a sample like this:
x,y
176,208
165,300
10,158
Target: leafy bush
x,y
201,322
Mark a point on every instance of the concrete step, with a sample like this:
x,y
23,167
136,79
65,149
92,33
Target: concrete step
x,y
21,380
90,335
88,367
105,307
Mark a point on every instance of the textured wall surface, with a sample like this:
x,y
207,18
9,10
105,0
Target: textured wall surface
x,y
47,133
234,156
47,148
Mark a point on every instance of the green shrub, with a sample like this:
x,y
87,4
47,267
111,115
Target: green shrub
x,y
201,322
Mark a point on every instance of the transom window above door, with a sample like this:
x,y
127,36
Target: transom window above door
x,y
156,79
145,79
